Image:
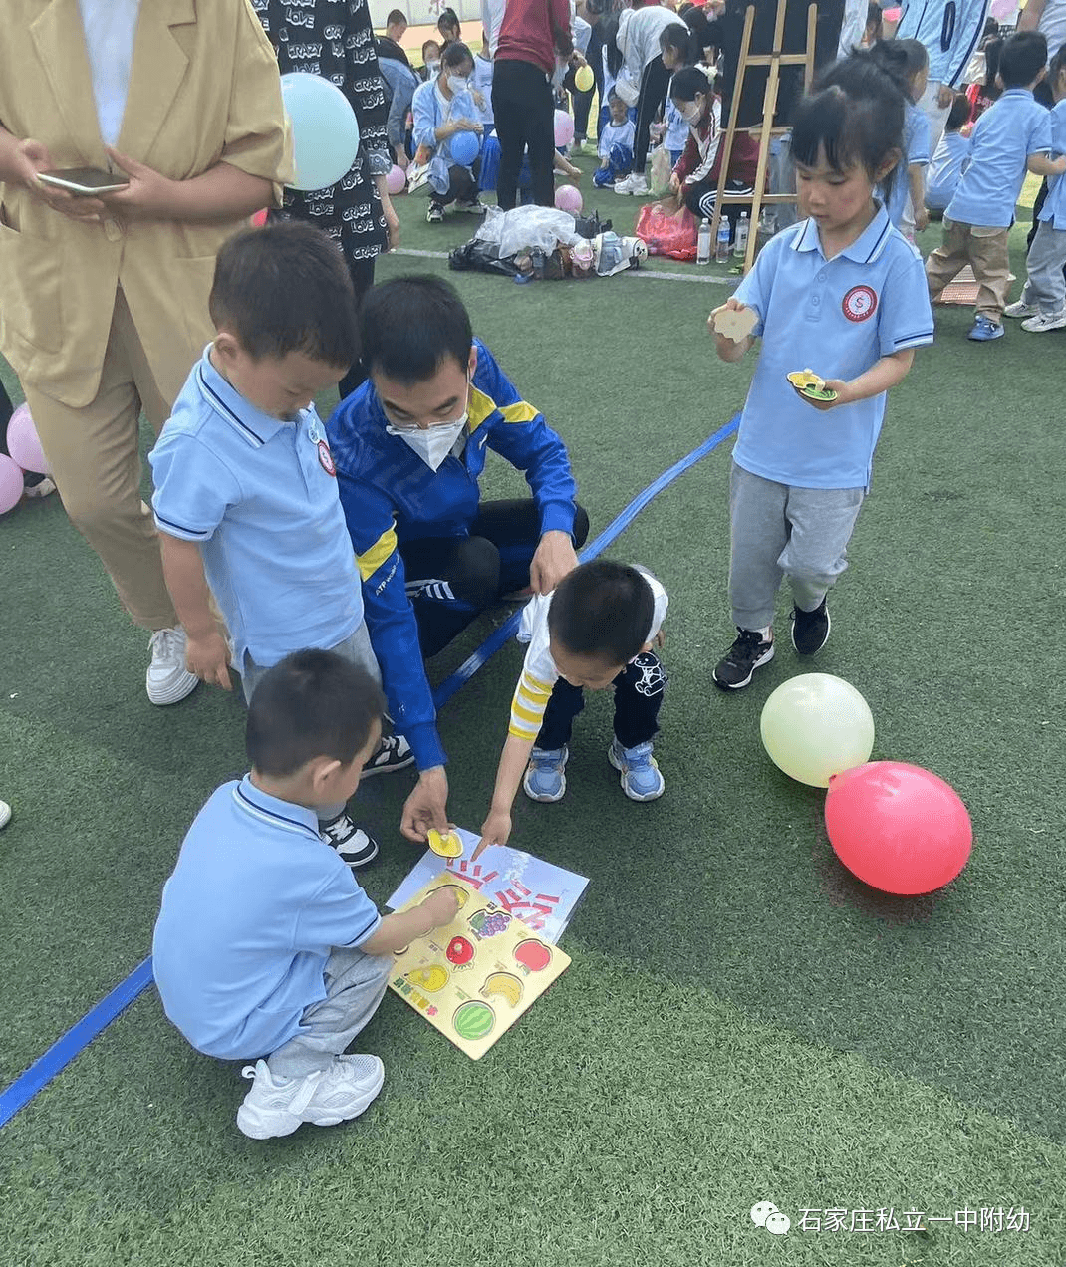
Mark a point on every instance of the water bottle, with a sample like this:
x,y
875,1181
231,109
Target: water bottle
x,y
721,246
740,242
703,242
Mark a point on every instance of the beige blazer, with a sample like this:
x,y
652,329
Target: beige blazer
x,y
204,88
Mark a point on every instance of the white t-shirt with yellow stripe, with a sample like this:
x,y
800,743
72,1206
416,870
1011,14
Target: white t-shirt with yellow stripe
x,y
539,671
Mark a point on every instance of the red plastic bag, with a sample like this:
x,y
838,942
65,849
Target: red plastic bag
x,y
666,233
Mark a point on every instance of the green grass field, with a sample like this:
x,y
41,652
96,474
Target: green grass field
x,y
742,1020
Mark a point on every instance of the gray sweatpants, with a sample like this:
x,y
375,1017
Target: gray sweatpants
x,y
777,530
357,648
355,986
1046,287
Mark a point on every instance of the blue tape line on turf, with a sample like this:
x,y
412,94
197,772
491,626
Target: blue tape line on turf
x,y
73,1042
112,1005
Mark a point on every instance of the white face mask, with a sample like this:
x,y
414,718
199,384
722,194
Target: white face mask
x,y
690,111
431,68
457,83
432,444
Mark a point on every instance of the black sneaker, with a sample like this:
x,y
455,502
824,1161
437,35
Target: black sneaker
x,y
434,213
394,754
352,844
748,651
811,629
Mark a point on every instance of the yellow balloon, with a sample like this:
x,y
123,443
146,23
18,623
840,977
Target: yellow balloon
x,y
817,725
584,79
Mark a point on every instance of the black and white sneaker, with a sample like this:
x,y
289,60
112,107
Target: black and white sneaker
x,y
434,213
352,844
748,652
394,754
811,629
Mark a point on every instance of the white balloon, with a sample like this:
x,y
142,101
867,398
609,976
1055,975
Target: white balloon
x,y
325,131
816,725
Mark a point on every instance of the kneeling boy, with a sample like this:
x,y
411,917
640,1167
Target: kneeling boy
x,y
598,629
265,945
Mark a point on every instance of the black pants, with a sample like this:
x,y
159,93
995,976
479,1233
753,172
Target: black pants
x,y
524,112
653,85
450,580
638,696
462,184
362,275
583,100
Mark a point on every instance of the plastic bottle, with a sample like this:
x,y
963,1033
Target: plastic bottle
x,y
740,242
721,248
766,228
703,242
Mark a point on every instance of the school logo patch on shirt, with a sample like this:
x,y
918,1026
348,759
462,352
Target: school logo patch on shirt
x,y
860,303
326,458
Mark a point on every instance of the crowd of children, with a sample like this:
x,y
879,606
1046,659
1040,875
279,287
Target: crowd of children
x,y
266,948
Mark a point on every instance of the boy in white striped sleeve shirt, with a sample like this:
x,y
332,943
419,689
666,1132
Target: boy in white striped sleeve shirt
x,y
597,629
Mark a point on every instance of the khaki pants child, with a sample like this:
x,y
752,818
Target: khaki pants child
x,y
985,249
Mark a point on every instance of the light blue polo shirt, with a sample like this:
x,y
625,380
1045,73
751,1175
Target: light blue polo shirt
x,y
837,317
1053,211
255,905
917,146
259,496
1009,131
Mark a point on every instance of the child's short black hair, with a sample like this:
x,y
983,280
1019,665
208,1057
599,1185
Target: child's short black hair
x,y
602,609
286,288
1057,65
688,82
855,113
959,112
396,16
311,704
678,37
455,53
411,326
1022,58
901,60
429,44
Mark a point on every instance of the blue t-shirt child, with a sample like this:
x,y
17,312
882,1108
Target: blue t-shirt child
x,y
1004,137
259,497
946,169
248,920
837,317
1053,211
612,134
917,144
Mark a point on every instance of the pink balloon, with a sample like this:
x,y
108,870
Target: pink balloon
x,y
568,198
564,128
23,443
395,180
10,483
897,827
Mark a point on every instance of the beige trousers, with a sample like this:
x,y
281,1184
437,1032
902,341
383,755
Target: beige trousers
x,y
985,250
95,460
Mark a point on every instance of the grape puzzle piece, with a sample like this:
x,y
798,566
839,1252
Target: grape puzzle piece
x,y
473,978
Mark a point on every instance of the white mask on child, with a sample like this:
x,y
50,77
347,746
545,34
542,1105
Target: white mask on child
x,y
690,112
458,83
432,444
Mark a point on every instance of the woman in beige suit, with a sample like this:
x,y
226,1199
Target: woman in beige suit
x,y
103,300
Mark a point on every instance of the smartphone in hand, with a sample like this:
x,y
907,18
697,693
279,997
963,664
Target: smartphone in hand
x,y
85,180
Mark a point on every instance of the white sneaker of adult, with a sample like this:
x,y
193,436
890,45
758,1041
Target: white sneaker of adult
x,y
276,1107
638,185
168,680
1042,322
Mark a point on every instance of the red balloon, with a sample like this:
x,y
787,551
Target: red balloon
x,y
897,827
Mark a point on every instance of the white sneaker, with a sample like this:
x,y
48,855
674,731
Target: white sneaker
x,y
5,813
1042,322
1021,309
637,185
168,680
625,184
324,1098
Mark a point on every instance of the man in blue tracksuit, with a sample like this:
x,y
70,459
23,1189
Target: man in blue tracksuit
x,y
409,446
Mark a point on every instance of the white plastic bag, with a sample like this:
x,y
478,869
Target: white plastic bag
x,y
523,229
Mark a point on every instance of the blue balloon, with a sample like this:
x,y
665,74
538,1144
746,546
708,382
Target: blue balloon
x,y
465,146
325,131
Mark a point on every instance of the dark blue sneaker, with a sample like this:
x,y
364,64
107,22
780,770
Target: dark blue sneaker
x,y
985,330
545,778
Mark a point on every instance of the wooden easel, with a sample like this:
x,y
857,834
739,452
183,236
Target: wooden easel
x,y
774,60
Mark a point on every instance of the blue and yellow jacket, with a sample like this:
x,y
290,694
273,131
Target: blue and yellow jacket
x,y
390,496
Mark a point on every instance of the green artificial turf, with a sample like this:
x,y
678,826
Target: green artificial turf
x,y
742,1020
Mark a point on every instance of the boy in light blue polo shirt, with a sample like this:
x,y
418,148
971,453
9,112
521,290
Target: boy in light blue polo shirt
x,y
246,498
841,294
1011,137
265,947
